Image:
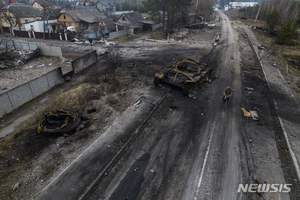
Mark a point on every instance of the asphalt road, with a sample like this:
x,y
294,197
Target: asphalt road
x,y
195,153
189,148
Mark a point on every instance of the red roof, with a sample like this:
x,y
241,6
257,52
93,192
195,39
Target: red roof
x,y
10,1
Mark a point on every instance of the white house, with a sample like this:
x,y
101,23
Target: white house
x,y
37,26
242,4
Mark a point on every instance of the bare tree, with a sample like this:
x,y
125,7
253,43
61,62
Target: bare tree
x,y
288,9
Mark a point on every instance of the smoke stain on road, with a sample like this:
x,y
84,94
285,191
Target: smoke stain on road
x,y
130,185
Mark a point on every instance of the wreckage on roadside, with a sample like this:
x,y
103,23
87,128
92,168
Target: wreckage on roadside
x,y
187,74
59,122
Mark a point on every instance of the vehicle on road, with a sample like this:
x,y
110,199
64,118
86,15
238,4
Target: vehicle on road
x,y
187,74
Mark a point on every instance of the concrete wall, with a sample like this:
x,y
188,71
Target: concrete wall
x,y
23,93
50,51
22,45
84,61
18,45
117,34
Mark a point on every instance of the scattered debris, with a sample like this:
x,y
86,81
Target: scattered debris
x,y
151,170
17,185
42,65
248,88
246,113
262,47
195,25
254,115
164,116
138,101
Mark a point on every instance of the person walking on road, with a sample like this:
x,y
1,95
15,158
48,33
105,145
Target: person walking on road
x,y
227,93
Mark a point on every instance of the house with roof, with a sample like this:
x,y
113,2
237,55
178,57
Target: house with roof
x,y
80,19
39,26
15,16
133,22
107,25
7,2
49,10
105,6
41,5
85,7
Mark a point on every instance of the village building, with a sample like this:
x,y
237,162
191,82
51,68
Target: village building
x,y
15,16
80,19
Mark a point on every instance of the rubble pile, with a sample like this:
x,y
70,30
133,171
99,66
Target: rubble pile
x,y
10,59
180,34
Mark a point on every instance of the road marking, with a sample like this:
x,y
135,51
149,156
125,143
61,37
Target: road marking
x,y
204,163
288,88
281,123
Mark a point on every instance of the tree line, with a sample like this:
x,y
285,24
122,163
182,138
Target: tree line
x,y
175,13
282,17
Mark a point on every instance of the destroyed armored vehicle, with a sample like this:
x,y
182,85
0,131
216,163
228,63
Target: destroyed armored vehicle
x,y
59,122
186,74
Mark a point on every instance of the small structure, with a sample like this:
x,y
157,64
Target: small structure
x,y
7,2
38,26
238,5
85,7
132,22
86,3
105,6
41,5
80,19
17,16
107,24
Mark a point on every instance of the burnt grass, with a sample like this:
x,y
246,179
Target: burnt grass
x,y
260,99
20,149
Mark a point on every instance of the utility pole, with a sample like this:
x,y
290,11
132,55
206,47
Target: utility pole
x,y
258,10
44,23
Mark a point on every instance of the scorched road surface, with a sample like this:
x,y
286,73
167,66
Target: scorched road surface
x,y
192,148
185,150
189,148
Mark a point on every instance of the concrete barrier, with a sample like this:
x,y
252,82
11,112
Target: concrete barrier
x,y
84,61
22,45
50,51
23,93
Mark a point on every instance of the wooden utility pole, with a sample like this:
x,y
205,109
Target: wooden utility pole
x,y
258,10
44,23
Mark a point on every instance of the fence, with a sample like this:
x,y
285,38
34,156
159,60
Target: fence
x,y
117,34
84,61
23,45
34,34
17,45
23,93
50,51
